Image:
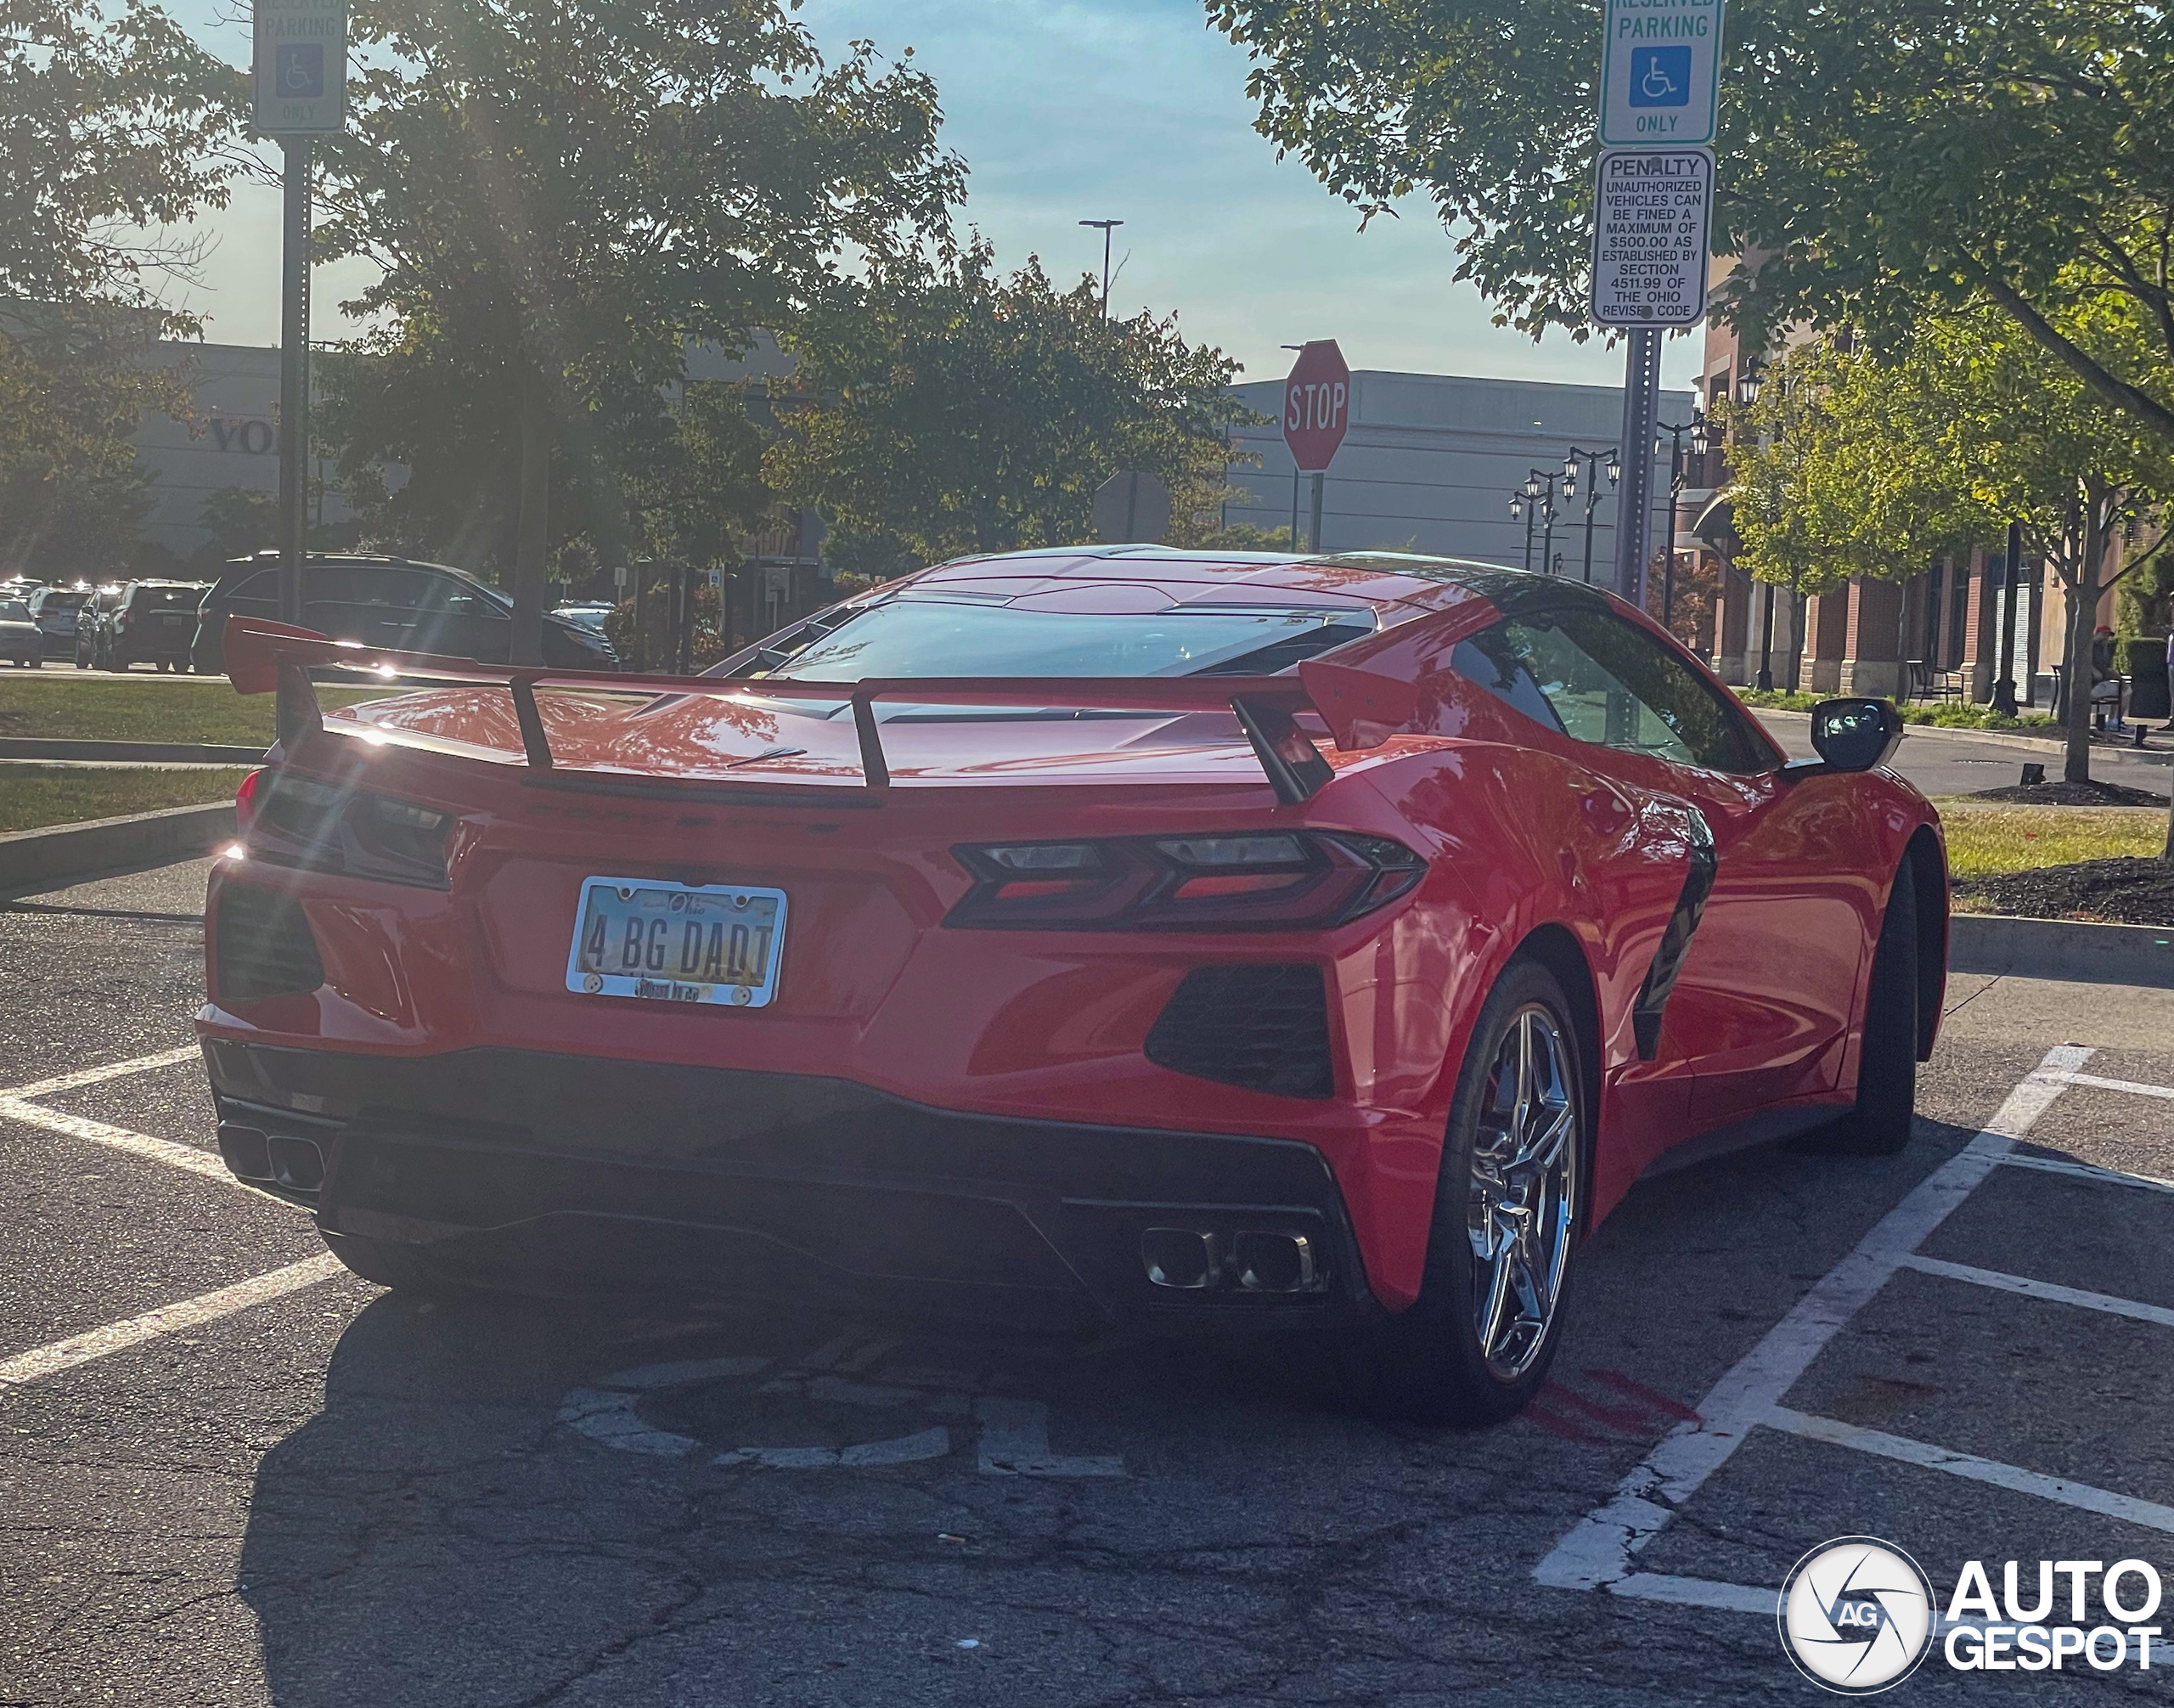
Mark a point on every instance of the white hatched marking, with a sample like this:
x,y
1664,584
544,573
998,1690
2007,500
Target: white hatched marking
x,y
2135,1088
91,1076
2051,1291
2088,1171
167,1319
1597,1549
1016,1443
204,1163
2126,1508
1697,1591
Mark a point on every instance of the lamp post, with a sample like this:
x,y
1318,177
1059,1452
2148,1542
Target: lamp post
x,y
1519,507
1750,380
1105,227
1595,461
1700,433
1537,494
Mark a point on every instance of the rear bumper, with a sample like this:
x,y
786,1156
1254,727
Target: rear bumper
x,y
587,1173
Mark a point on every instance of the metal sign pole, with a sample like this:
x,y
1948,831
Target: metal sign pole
x,y
294,378
1320,480
1641,393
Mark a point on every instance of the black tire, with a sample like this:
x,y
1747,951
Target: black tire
x,y
1427,1364
1879,1124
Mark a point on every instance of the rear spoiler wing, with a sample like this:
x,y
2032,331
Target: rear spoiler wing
x,y
271,657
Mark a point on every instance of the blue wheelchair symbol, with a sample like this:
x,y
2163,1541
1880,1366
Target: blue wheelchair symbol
x,y
298,70
1660,76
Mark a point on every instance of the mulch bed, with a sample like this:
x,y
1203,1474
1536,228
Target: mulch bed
x,y
2060,794
2115,891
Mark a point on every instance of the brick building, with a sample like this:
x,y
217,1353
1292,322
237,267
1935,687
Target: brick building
x,y
1870,637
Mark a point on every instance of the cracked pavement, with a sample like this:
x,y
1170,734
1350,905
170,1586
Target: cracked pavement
x,y
341,1494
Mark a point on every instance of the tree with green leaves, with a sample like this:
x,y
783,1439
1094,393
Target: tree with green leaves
x,y
559,198
1878,156
115,133
942,409
1865,462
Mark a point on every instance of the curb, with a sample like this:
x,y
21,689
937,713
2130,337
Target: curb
x,y
142,753
42,859
2064,949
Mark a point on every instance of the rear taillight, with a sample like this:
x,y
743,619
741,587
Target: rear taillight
x,y
1258,880
245,800
296,821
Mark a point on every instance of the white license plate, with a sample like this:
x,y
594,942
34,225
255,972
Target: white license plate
x,y
676,942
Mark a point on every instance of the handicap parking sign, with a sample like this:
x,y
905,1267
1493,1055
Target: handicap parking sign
x,y
299,70
1660,76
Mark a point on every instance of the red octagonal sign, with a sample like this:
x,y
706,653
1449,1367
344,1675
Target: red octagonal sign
x,y
1316,405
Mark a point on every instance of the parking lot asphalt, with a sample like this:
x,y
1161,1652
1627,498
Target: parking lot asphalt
x,y
232,1474
1955,762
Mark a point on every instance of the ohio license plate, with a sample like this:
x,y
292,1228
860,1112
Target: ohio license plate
x,y
676,942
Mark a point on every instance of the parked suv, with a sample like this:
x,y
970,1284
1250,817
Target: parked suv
x,y
144,623
390,602
54,610
19,638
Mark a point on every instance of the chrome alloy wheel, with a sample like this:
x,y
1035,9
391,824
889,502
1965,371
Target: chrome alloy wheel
x,y
1523,1199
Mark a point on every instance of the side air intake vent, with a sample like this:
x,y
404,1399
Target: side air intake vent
x,y
1264,1027
262,947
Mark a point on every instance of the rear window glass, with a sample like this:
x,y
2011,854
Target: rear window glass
x,y
14,610
166,598
61,601
910,637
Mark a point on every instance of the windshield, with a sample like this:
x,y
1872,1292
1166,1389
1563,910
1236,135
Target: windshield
x,y
910,637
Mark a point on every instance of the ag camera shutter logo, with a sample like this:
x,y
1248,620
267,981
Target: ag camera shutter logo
x,y
1856,1615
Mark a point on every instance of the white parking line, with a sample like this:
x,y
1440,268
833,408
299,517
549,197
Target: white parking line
x,y
2088,1171
1597,1550
2052,1292
167,1319
167,1150
2133,1087
2149,1513
91,1076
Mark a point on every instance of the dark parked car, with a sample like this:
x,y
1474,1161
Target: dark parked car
x,y
19,637
90,626
389,601
144,623
54,610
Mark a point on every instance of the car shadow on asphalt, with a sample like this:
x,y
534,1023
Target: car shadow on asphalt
x,y
510,1501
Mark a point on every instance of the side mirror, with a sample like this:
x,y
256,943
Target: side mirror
x,y
1851,736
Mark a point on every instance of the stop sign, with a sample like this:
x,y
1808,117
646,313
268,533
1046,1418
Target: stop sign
x,y
1316,405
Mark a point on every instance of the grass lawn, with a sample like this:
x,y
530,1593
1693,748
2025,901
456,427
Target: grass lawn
x,y
1984,838
59,707
32,797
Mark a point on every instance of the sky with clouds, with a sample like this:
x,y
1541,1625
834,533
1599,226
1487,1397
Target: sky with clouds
x,y
1072,110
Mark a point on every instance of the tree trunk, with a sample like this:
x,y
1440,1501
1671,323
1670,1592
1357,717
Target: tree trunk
x,y
532,540
2083,617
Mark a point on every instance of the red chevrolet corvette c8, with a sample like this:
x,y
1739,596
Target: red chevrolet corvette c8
x,y
1319,944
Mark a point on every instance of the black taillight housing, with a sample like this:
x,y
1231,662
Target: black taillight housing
x,y
320,826
1213,880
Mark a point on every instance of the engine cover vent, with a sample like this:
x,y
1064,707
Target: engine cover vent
x,y
261,947
1264,1028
